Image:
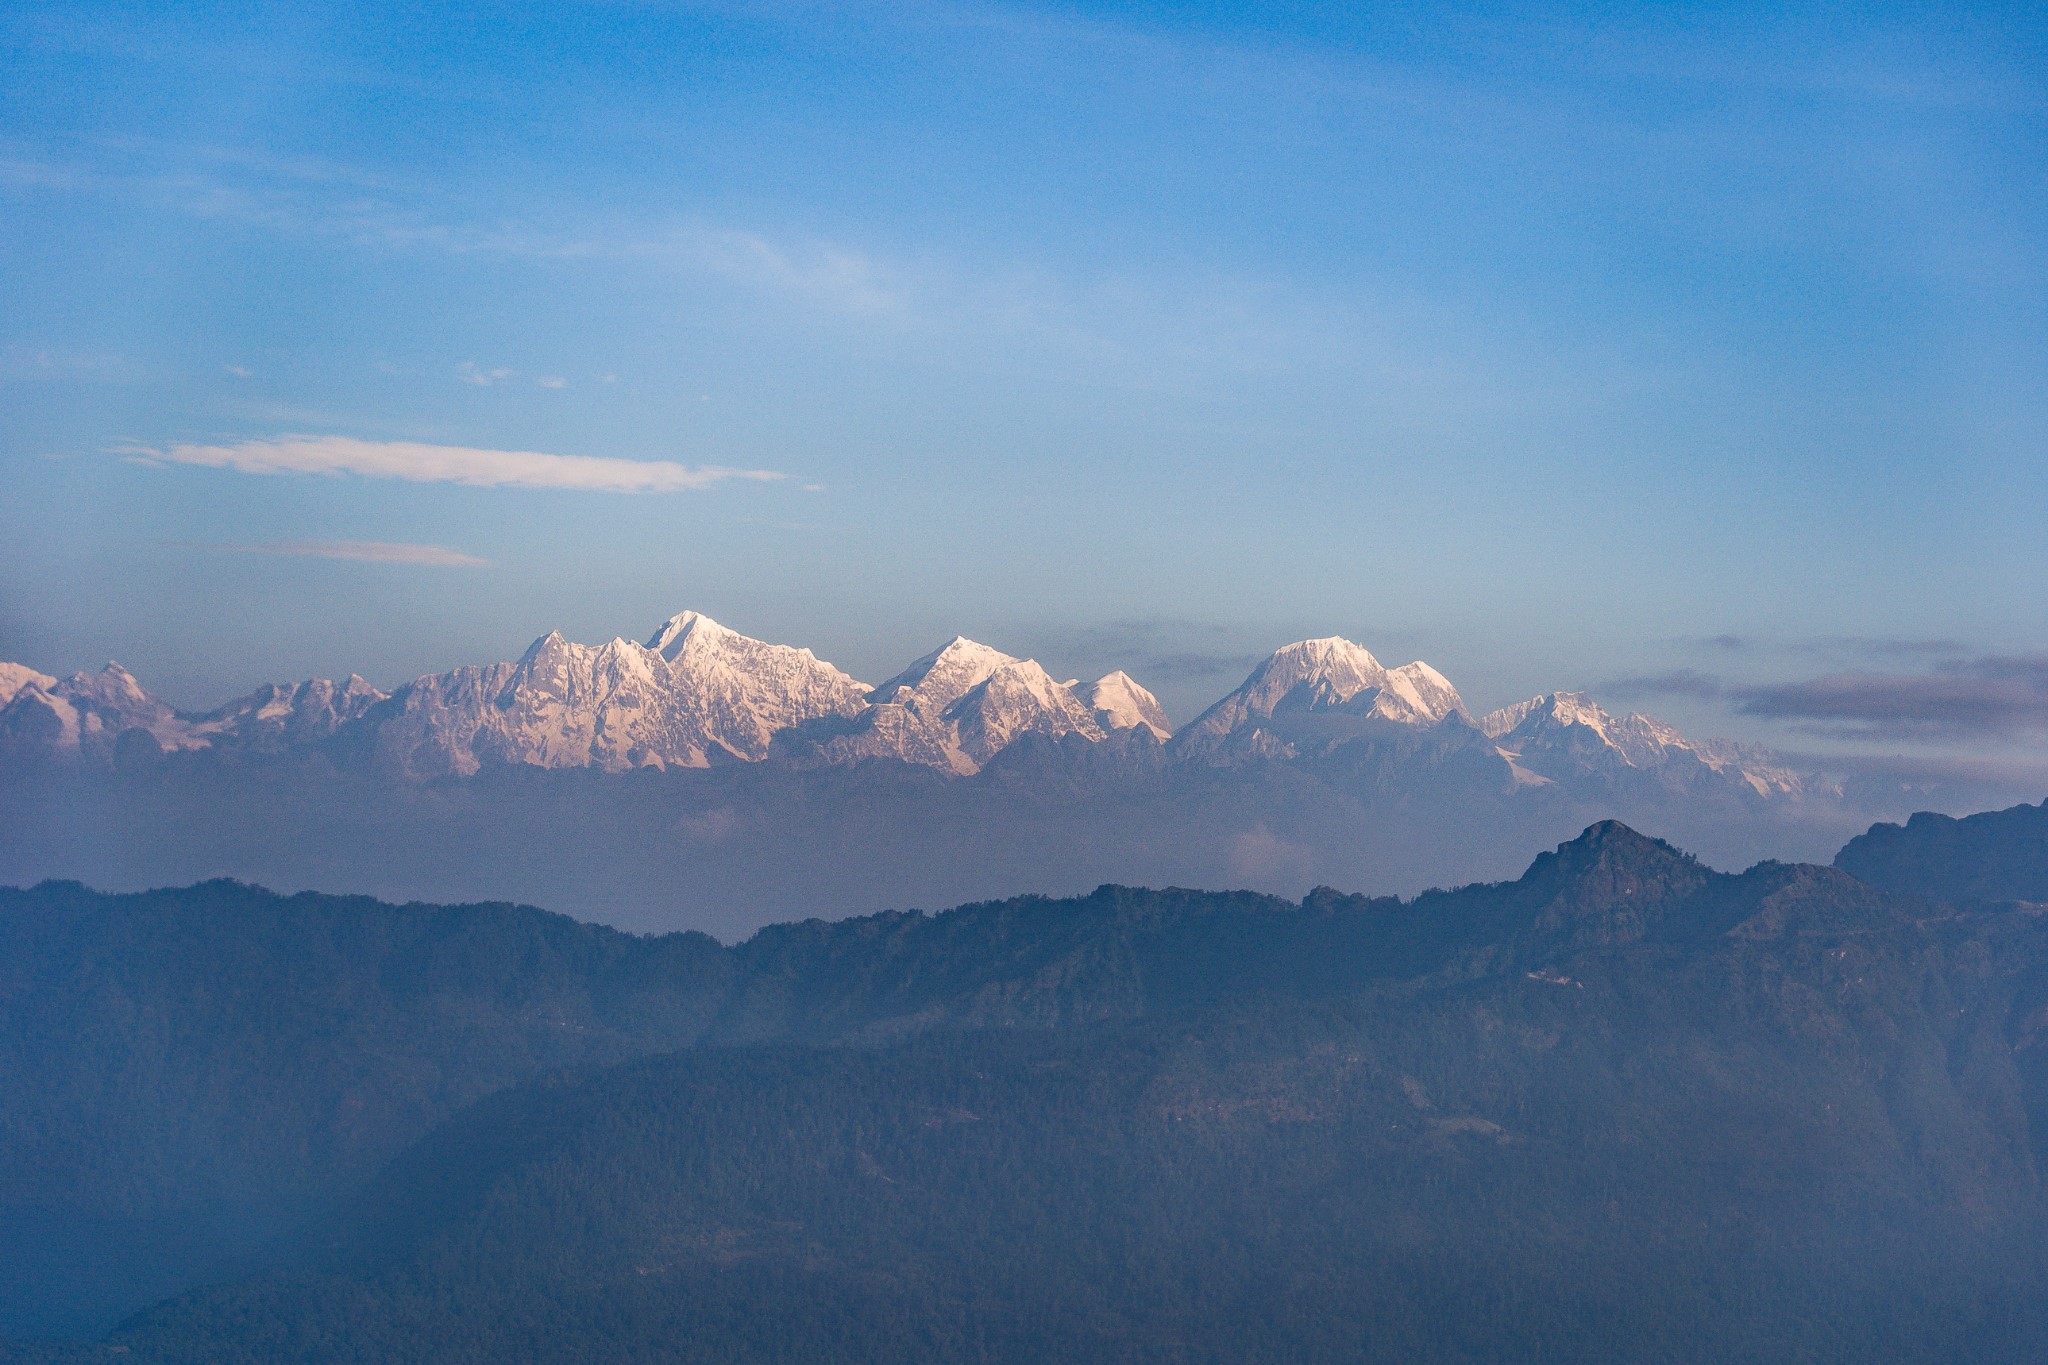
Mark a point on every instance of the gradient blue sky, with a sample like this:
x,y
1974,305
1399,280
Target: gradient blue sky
x,y
1687,355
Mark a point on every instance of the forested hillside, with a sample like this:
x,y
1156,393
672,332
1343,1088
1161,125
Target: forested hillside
x,y
1625,1098
184,1074
1998,855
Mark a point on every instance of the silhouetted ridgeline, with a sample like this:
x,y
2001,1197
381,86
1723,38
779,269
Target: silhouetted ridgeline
x,y
1625,1107
2000,855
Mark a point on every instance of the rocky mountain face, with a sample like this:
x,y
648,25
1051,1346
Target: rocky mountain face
x,y
1567,737
698,695
1315,692
954,709
14,677
90,715
282,716
695,695
96,717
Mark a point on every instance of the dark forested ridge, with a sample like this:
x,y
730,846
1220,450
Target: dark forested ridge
x,y
1625,1107
187,1072
1999,855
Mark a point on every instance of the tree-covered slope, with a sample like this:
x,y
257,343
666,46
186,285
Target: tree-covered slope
x,y
1999,855
1651,1114
1620,1057
184,1073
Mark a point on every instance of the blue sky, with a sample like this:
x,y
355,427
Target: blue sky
x,y
1689,356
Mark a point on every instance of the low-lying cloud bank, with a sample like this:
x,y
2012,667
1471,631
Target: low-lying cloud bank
x,y
420,463
1996,695
1991,696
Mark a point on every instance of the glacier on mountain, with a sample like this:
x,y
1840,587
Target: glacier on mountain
x,y
695,695
92,715
1317,692
1120,703
15,677
958,707
1562,736
726,780
698,694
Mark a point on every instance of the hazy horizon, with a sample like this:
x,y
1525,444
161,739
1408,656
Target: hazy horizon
x,y
1687,357
395,967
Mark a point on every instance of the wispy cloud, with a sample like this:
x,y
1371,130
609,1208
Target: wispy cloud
x,y
419,463
2002,695
469,372
1129,328
1679,682
1192,666
322,200
350,204
817,272
366,552
1987,697
1871,646
37,364
1884,645
2023,771
1161,649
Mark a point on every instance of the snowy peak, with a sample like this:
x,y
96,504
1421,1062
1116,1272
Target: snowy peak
x,y
1552,709
683,629
1323,672
943,676
112,686
725,669
1575,718
1309,675
1319,692
279,716
110,703
548,648
89,714
15,677
696,694
1567,736
1119,703
958,707
1021,681
1016,698
1417,694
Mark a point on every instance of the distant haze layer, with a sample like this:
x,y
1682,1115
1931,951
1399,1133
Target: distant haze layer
x,y
707,779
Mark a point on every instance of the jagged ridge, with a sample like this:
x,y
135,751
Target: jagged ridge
x,y
698,695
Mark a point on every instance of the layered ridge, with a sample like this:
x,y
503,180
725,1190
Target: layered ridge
x,y
698,694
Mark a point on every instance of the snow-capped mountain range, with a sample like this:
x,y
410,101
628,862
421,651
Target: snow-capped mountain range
x,y
699,695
